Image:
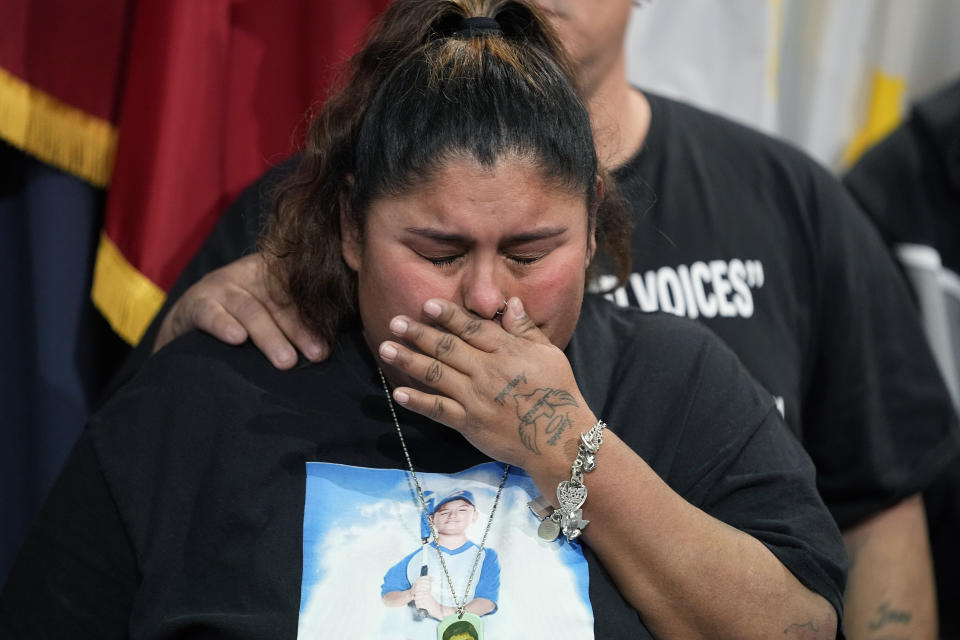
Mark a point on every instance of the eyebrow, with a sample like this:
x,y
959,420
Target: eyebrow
x,y
456,238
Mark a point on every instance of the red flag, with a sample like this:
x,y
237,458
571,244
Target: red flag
x,y
214,93
60,76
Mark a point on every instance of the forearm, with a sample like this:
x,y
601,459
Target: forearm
x,y
397,598
480,606
890,587
688,574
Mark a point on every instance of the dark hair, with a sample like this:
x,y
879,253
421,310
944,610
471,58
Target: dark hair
x,y
461,626
420,92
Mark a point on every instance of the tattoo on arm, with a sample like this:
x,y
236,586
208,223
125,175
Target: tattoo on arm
x,y
538,411
510,387
888,615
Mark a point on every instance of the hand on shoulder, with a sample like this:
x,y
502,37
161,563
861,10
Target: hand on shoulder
x,y
239,301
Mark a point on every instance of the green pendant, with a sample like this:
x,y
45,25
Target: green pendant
x,y
469,627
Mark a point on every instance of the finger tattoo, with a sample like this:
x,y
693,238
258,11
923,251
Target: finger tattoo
x,y
437,408
434,373
445,345
473,325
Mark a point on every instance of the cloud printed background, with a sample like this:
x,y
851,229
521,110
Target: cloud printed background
x,y
359,522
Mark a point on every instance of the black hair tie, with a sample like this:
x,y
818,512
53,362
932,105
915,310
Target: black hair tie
x,y
478,26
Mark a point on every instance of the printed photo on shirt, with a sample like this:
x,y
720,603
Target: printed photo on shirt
x,y
367,543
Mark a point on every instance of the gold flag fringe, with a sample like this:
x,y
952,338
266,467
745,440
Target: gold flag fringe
x,y
126,298
55,132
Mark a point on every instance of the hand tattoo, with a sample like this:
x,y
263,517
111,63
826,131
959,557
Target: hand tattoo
x,y
510,387
541,407
557,426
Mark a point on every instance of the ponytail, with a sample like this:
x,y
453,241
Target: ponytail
x,y
436,79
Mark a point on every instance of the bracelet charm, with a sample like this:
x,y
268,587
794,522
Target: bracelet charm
x,y
572,493
549,529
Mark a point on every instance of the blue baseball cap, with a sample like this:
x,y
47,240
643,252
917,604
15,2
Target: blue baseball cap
x,y
460,494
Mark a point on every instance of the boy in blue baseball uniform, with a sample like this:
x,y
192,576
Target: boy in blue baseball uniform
x,y
428,590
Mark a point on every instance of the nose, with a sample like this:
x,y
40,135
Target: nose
x,y
483,290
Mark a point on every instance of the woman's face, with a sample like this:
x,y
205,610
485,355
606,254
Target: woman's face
x,y
475,236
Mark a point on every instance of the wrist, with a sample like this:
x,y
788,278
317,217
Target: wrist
x,y
552,466
566,516
444,611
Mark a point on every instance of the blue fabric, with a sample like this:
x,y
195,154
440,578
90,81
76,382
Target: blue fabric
x,y
53,345
396,577
16,367
488,582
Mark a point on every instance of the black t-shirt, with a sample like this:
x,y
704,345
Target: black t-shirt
x,y
748,235
909,185
752,238
191,503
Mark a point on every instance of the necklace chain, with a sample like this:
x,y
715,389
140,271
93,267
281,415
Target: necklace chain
x,y
423,505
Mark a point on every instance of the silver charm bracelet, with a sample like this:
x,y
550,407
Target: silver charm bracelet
x,y
572,493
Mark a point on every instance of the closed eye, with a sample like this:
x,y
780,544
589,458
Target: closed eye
x,y
524,260
527,249
441,261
